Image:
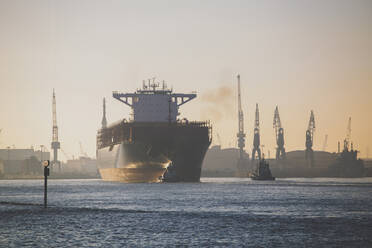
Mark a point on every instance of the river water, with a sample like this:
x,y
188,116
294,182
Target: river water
x,y
216,212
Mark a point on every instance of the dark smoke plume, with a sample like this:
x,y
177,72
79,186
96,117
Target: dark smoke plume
x,y
218,104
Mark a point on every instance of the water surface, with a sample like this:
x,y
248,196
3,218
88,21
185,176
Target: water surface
x,y
217,212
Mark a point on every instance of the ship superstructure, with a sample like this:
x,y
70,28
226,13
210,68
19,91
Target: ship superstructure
x,y
139,149
153,103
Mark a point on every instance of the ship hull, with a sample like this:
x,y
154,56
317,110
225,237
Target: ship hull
x,y
143,151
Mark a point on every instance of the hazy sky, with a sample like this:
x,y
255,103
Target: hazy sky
x,y
299,55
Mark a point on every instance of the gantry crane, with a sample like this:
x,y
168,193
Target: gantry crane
x,y
279,135
256,136
309,154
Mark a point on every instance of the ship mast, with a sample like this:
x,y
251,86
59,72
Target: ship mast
x,y
104,120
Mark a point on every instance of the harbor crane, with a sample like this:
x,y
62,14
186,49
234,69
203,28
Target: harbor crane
x,y
240,135
55,143
82,152
348,136
325,143
256,136
66,155
279,135
309,153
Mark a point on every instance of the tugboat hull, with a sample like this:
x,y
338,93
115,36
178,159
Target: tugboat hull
x,y
263,178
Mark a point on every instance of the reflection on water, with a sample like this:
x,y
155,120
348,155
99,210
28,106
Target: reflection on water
x,y
216,212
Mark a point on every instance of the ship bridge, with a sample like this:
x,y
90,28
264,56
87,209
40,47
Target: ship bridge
x,y
154,103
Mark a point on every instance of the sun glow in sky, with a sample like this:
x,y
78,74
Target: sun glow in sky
x,y
299,55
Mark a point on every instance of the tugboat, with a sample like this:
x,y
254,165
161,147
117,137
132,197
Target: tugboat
x,y
263,172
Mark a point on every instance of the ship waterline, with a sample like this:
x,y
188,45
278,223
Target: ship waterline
x,y
133,175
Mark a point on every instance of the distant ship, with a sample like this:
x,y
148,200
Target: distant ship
x,y
347,164
141,149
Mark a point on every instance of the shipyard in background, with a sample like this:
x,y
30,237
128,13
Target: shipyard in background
x,y
301,163
155,145
26,163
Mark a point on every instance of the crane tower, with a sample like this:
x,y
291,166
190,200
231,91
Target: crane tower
x,y
309,140
241,135
348,136
55,143
325,143
279,135
256,136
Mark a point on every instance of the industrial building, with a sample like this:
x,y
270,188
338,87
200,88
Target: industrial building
x,y
19,163
84,167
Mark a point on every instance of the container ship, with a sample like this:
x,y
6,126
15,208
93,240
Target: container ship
x,y
141,148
